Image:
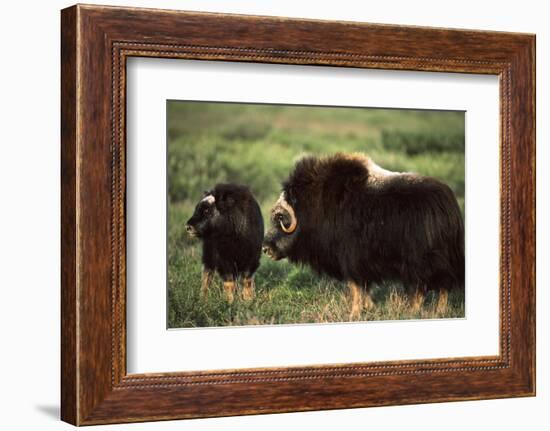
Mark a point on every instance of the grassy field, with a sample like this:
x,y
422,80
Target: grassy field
x,y
257,145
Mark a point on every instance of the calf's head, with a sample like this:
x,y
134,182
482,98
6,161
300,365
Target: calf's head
x,y
205,218
284,229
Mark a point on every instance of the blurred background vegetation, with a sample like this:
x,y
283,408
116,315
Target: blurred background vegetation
x,y
257,145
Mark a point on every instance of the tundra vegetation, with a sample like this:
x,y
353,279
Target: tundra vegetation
x,y
257,145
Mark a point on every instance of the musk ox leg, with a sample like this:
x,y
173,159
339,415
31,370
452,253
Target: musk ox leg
x,y
442,301
356,300
229,289
206,280
368,302
416,298
248,288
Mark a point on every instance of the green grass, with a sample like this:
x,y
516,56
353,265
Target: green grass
x,y
257,145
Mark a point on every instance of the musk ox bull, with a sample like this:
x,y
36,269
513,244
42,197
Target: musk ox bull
x,y
229,222
350,219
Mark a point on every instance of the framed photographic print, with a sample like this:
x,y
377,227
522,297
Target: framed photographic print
x,y
322,214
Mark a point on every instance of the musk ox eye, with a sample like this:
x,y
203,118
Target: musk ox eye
x,y
291,226
279,219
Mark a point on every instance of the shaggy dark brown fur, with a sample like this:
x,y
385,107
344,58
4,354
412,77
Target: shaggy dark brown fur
x,y
361,224
229,222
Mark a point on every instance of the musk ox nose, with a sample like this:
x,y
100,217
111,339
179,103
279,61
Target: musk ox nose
x,y
270,251
190,230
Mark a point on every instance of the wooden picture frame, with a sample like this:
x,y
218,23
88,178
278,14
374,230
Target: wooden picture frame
x,y
95,43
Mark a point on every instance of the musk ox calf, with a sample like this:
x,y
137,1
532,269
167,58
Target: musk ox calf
x,y
229,222
350,219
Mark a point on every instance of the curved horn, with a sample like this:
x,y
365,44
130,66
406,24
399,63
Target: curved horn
x,y
293,221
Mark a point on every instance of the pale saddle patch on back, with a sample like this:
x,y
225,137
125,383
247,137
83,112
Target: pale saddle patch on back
x,y
377,174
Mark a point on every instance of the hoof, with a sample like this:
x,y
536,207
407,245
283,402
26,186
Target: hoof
x,y
355,314
442,302
248,289
369,304
248,294
229,288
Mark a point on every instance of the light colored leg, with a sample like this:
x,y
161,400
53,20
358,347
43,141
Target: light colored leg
x,y
206,281
442,301
416,298
356,300
368,302
229,288
248,288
